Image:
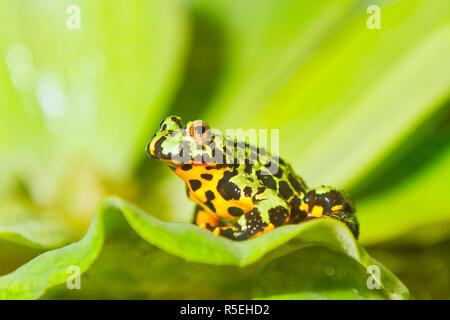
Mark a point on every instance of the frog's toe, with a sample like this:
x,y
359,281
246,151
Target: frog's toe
x,y
350,221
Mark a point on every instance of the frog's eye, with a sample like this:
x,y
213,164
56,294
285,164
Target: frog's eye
x,y
199,131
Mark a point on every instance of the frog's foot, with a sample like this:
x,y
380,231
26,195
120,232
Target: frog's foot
x,y
204,219
236,232
349,219
328,202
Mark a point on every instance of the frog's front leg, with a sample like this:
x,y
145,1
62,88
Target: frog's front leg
x,y
204,219
270,211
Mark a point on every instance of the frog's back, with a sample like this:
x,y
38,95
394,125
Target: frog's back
x,y
258,168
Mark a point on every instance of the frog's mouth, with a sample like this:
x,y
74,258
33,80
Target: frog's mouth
x,y
155,150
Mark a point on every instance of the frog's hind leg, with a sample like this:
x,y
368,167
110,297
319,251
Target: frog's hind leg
x,y
328,202
268,213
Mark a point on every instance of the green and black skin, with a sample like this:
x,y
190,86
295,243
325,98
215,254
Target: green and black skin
x,y
242,191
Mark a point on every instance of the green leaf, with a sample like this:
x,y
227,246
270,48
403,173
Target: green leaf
x,y
316,273
29,230
77,111
182,240
411,207
142,271
115,73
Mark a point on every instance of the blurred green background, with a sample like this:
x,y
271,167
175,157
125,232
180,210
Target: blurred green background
x,y
367,110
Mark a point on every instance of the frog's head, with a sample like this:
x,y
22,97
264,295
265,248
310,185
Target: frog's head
x,y
178,144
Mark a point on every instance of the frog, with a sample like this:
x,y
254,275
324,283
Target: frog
x,y
241,190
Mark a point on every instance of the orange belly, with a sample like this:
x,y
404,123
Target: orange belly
x,y
203,183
